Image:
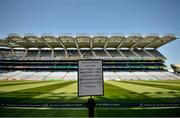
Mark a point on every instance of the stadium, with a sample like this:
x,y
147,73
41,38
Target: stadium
x,y
43,70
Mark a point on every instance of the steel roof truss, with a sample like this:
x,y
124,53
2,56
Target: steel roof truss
x,y
122,41
44,41
19,44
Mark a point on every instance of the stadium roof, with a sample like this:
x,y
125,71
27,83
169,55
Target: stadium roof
x,y
116,41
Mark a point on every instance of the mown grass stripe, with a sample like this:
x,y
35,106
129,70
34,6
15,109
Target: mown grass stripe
x,y
25,94
170,86
152,92
118,94
11,81
48,93
161,82
167,81
68,91
57,92
21,83
65,94
26,86
112,93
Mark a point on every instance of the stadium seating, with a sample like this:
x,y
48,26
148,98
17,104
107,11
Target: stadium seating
x,y
10,75
111,76
87,54
2,73
23,75
156,53
114,53
142,53
164,75
45,55
143,76
72,75
56,76
55,58
74,54
172,75
39,76
31,55
59,54
6,54
100,54
127,76
128,53
19,54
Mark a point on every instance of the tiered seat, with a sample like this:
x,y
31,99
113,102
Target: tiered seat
x,y
6,54
45,55
2,73
171,75
114,53
19,54
56,76
23,75
59,54
87,54
9,75
127,76
160,75
39,76
143,76
73,54
111,76
142,53
31,55
71,76
101,54
128,53
156,53
27,75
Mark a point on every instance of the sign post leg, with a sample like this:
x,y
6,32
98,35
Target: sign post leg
x,y
91,105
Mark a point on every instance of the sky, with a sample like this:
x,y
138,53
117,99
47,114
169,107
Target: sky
x,y
94,16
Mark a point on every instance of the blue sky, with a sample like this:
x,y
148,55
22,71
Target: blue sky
x,y
92,16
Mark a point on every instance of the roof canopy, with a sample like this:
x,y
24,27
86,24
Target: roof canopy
x,y
116,41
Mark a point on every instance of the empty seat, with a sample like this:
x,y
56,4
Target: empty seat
x,y
56,76
45,55
59,54
71,76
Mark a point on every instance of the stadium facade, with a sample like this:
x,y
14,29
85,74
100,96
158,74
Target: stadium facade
x,y
49,57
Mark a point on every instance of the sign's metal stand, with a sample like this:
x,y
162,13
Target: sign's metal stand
x,y
91,105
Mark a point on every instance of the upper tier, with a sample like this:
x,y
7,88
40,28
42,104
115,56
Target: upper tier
x,y
116,41
6,54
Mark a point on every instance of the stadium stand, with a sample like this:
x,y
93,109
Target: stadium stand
x,y
71,76
55,58
176,68
56,76
59,54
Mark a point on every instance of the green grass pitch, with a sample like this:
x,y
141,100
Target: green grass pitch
x,y
161,91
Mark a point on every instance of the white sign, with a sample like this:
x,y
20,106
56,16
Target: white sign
x,y
90,78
